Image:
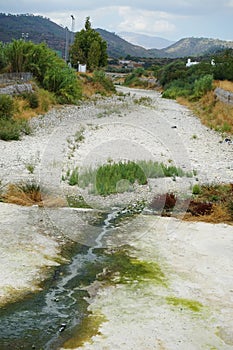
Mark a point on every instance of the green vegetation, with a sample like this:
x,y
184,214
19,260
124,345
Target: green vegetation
x,y
196,189
119,177
192,305
6,107
77,201
155,170
191,82
146,101
135,79
99,76
89,48
73,177
10,128
109,177
50,71
194,82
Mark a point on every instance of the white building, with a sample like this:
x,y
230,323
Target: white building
x,y
190,63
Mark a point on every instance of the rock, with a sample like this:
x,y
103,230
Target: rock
x,y
17,89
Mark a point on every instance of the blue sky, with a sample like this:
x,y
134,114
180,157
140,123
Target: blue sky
x,y
168,19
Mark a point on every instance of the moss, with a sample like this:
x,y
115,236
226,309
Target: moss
x,y
77,201
88,328
192,305
122,268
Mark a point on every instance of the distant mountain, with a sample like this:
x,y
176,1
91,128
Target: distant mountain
x,y
41,29
146,41
193,47
118,47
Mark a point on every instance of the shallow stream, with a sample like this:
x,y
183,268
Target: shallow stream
x,y
46,320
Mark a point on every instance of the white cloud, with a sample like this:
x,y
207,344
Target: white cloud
x,y
145,22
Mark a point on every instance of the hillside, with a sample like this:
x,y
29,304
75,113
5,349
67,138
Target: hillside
x,y
193,47
39,30
42,29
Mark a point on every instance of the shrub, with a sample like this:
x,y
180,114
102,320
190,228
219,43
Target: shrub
x,y
13,129
32,99
64,83
6,107
9,130
203,85
100,77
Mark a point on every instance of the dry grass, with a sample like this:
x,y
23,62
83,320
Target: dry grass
x,y
224,84
25,195
31,194
213,113
221,196
46,101
218,215
23,111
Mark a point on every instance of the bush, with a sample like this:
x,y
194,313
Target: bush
x,y
6,107
203,85
13,129
100,77
32,99
64,83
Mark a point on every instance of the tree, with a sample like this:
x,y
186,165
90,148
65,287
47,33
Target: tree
x,y
16,53
51,72
3,61
89,48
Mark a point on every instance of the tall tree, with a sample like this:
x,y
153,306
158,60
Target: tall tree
x,y
89,48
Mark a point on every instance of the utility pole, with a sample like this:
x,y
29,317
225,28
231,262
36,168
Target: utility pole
x,y
72,29
67,44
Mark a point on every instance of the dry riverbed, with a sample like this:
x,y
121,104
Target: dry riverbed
x,y
196,258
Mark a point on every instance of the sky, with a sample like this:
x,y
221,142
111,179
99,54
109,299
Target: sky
x,y
169,19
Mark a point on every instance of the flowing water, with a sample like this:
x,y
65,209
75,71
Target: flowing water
x,y
45,320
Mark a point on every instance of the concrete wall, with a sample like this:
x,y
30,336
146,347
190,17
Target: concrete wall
x,y
224,96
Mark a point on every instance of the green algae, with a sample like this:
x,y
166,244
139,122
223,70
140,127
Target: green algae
x,y
116,266
88,328
192,305
123,268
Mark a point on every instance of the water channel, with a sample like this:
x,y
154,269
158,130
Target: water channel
x,y
47,319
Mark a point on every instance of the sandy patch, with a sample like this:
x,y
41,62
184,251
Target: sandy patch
x,y
24,251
